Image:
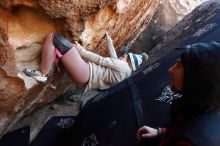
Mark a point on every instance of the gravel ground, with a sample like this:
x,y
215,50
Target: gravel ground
x,y
66,105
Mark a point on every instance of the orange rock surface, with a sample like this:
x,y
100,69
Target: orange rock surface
x,y
24,24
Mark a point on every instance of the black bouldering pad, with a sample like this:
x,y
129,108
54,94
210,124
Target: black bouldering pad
x,y
18,137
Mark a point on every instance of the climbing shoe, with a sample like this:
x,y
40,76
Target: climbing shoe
x,y
62,44
35,74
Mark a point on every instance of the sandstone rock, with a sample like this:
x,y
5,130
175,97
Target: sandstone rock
x,y
185,29
169,13
11,3
24,24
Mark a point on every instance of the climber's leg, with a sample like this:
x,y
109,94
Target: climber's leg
x,y
48,55
77,68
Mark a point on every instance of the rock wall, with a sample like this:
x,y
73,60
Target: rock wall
x,y
24,24
169,13
186,28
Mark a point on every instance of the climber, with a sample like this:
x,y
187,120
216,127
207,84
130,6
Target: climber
x,y
97,73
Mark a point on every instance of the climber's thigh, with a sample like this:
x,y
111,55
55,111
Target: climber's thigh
x,y
76,66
